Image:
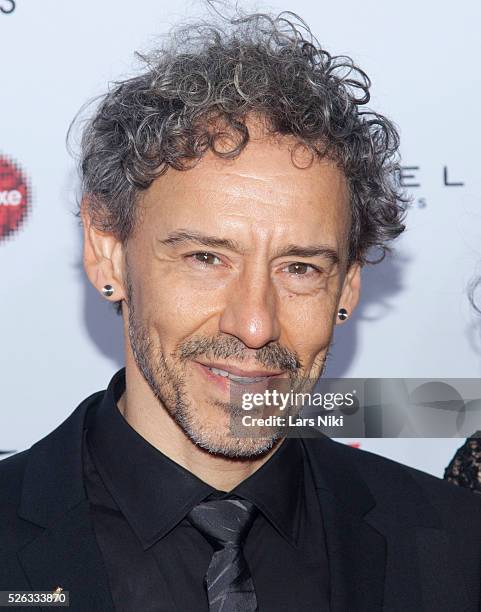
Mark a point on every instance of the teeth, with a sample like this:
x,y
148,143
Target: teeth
x,y
219,372
240,379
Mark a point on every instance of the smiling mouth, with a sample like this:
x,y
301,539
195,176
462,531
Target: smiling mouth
x,y
240,378
244,380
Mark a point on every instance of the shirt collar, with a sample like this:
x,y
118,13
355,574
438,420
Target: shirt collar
x,y
155,493
275,488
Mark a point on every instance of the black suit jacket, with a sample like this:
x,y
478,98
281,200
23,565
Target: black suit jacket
x,y
397,538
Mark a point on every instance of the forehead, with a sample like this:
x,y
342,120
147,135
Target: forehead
x,y
270,181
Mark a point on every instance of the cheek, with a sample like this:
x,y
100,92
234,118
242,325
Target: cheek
x,y
173,309
308,324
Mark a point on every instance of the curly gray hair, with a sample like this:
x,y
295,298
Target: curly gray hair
x,y
203,83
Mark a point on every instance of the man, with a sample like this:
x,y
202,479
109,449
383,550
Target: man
x,y
232,193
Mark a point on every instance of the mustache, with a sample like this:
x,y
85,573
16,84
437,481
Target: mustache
x,y
272,355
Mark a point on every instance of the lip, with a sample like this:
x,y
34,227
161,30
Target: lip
x,y
239,371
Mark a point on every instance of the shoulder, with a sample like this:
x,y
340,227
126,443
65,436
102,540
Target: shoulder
x,y
12,532
374,466
399,490
49,469
11,477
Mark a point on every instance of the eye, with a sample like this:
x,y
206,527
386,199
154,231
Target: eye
x,y
301,269
206,258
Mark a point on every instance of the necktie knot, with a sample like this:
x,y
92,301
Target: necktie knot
x,y
224,522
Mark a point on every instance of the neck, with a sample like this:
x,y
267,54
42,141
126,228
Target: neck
x,y
150,419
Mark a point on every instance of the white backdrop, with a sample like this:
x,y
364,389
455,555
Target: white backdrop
x,y
60,341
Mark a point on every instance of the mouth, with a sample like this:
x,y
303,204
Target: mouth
x,y
225,374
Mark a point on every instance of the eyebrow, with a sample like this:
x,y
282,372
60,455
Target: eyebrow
x,y
292,250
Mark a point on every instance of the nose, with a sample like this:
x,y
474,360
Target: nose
x,y
251,307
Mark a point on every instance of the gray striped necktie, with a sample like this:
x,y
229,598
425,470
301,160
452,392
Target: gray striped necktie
x,y
225,524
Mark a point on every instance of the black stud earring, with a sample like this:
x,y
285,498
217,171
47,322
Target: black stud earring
x,y
107,290
342,314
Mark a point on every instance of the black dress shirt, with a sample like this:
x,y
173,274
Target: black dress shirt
x,y
156,560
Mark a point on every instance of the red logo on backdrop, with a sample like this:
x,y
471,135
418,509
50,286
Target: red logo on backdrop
x,y
14,197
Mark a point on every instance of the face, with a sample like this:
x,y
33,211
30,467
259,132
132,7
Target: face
x,y
233,278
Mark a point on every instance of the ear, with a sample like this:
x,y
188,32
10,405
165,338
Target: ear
x,y
351,290
103,257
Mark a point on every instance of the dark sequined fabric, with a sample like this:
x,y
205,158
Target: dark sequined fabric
x,y
464,469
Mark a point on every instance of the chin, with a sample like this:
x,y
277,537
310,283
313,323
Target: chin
x,y
235,448
217,439
211,427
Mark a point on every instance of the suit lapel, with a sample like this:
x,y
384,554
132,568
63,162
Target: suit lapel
x,y
65,553
420,573
360,537
387,546
356,550
357,558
